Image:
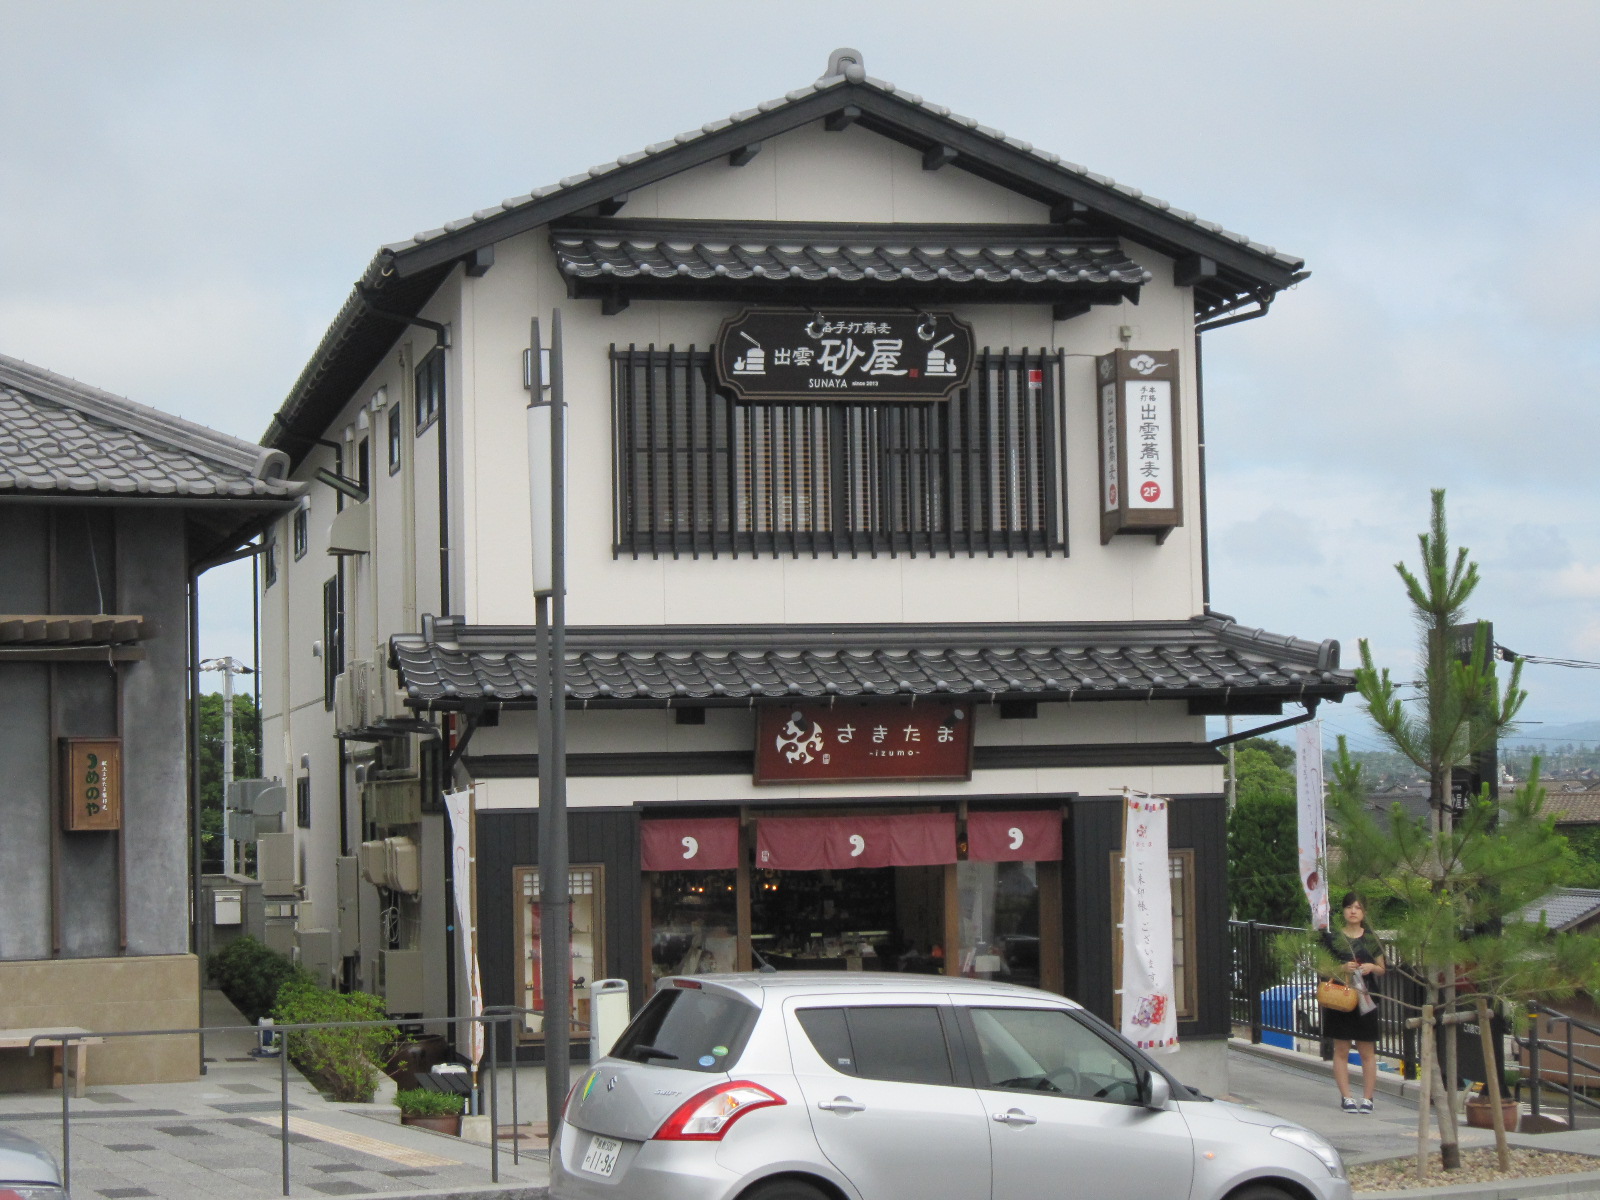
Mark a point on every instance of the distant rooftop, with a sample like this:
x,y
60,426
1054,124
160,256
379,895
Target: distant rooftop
x,y
1565,908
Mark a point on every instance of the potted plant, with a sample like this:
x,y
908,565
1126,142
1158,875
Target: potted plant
x,y
431,1110
1480,1114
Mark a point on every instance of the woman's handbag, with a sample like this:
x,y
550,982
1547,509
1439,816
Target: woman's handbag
x,y
1338,996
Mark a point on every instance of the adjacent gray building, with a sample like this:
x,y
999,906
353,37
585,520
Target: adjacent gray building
x,y
108,513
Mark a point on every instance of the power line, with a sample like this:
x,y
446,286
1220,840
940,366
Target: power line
x,y
1508,655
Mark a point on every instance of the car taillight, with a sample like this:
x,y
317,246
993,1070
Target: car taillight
x,y
566,1105
707,1116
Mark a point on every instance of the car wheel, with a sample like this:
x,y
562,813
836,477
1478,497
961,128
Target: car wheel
x,y
1260,1191
785,1189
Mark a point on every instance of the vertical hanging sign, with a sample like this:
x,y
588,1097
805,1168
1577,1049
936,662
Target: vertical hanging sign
x,y
1141,481
1149,1013
458,806
91,784
1312,824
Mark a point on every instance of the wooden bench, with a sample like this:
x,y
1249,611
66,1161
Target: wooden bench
x,y
14,1039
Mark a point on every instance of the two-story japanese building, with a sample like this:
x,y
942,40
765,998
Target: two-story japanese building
x,y
886,567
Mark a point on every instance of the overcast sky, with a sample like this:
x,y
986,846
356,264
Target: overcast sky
x,y
188,191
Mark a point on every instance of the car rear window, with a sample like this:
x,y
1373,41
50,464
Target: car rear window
x,y
690,1029
903,1043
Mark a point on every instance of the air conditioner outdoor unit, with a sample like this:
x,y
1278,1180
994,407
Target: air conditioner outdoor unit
x,y
385,701
405,865
351,707
374,859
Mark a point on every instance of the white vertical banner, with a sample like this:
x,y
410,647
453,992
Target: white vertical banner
x,y
1149,1012
1313,827
459,807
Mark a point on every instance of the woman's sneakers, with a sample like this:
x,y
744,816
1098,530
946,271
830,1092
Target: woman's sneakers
x,y
1366,1107
1349,1105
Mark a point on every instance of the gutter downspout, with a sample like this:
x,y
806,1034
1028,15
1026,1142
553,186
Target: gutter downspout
x,y
1263,304
1310,702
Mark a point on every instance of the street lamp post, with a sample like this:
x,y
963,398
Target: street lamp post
x,y
229,667
547,512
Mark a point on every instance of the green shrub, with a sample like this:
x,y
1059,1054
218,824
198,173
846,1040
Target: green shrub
x,y
419,1102
344,1059
250,975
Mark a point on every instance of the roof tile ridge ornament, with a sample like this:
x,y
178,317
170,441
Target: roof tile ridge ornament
x,y
847,64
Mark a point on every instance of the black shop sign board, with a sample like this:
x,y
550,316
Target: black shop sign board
x,y
852,355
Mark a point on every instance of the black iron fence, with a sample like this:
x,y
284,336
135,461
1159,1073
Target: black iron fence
x,y
1277,1001
492,1020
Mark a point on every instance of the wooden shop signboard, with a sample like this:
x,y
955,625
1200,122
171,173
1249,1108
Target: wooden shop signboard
x,y
1141,473
855,742
91,783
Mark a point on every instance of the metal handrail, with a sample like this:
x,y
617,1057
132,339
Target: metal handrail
x,y
492,1018
1534,1043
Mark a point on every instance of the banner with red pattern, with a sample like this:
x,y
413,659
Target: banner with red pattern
x,y
1149,1012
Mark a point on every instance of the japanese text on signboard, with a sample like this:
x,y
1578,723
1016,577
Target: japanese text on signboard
x,y
780,354
858,742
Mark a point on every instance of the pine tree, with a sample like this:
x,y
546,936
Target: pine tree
x,y
1446,889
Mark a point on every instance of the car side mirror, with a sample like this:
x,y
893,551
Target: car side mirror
x,y
1157,1091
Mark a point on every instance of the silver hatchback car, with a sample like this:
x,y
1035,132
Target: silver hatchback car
x,y
820,1086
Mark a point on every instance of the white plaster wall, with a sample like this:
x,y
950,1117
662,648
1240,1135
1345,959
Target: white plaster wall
x,y
806,175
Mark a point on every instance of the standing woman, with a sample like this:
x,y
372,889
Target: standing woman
x,y
1362,957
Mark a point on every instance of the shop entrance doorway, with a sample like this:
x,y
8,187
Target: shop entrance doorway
x,y
870,919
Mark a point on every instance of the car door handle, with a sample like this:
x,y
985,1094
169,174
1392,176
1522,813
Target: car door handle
x,y
1015,1116
840,1104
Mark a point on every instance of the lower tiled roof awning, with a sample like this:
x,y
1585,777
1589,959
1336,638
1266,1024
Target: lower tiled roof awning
x,y
882,263
457,666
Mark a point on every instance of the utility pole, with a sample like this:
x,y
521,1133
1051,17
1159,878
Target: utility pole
x,y
1233,775
229,667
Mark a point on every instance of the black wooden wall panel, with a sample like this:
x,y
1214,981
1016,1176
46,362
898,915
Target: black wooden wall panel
x,y
507,840
1094,833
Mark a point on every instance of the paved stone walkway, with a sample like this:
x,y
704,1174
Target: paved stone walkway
x,y
219,1136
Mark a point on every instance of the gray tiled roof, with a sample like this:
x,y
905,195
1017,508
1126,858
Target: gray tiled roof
x,y
660,253
1564,907
61,436
461,665
824,84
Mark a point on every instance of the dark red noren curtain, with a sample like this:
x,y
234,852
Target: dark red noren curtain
x,y
1013,836
839,843
694,844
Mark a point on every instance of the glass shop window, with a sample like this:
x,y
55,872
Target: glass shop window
x,y
586,906
694,922
999,921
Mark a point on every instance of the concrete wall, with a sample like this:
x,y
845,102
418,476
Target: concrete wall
x,y
104,995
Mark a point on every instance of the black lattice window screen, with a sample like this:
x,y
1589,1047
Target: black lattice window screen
x,y
696,472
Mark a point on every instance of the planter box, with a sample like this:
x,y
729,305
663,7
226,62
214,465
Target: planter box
x,y
446,1124
1481,1116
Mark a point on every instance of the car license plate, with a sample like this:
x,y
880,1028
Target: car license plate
x,y
602,1156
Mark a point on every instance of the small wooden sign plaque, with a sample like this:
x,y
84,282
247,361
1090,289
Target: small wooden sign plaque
x,y
91,783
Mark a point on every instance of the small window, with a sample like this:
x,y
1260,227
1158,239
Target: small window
x,y
269,567
430,389
301,534
364,465
688,1029
302,802
394,439
900,1043
332,637
1046,1051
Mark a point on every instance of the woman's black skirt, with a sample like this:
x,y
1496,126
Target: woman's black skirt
x,y
1350,1026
